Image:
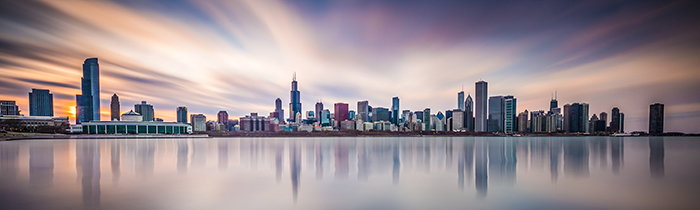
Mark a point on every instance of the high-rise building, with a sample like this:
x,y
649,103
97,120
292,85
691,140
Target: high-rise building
x,y
496,114
460,100
40,103
182,114
222,117
656,119
426,119
510,124
380,114
341,112
584,118
615,120
567,123
576,117
622,122
319,109
351,115
279,110
469,114
395,110
538,121
199,122
9,108
325,117
457,119
114,108
522,122
295,100
146,110
603,118
363,111
88,103
480,123
418,115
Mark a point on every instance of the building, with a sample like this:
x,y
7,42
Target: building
x,y
538,121
341,112
439,121
426,119
351,115
496,117
131,116
222,117
295,100
325,117
198,122
279,110
182,114
510,123
9,108
114,108
576,118
395,111
656,119
616,125
460,100
469,114
457,119
135,127
566,124
88,102
603,117
146,110
253,122
363,110
480,123
522,122
380,114
318,110
40,124
40,103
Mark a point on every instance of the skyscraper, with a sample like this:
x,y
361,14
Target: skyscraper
x,y
199,122
222,117
480,106
319,109
182,114
426,119
279,110
576,118
522,121
469,114
9,108
460,100
656,119
567,115
584,118
146,110
395,110
603,118
363,111
40,103
510,124
295,100
496,114
341,112
380,114
325,117
114,108
615,120
88,103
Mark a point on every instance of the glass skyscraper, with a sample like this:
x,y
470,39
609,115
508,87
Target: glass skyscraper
x,y
182,114
480,106
114,108
146,110
40,103
460,100
496,114
656,119
279,110
88,104
395,110
469,114
510,112
295,100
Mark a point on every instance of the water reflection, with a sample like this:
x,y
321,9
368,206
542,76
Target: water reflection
x,y
88,168
295,167
9,157
576,158
182,150
115,153
656,157
41,165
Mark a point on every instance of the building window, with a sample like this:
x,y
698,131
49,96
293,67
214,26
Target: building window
x,y
151,129
131,129
121,128
111,129
101,129
161,129
142,129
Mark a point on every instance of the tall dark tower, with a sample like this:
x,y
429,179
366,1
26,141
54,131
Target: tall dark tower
x,y
553,104
114,107
40,102
295,101
615,120
656,119
88,103
279,110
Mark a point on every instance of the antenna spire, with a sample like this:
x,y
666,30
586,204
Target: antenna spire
x,y
294,78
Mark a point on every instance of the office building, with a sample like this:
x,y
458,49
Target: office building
x,y
114,108
426,119
395,111
325,117
510,123
522,122
496,117
253,122
656,119
457,119
616,121
40,124
380,114
182,114
538,121
341,112
566,124
88,103
295,100
222,117
603,118
279,110
363,111
480,107
460,100
576,118
318,110
584,118
351,115
469,114
40,103
9,108
146,110
198,122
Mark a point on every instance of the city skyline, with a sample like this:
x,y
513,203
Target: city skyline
x,y
235,76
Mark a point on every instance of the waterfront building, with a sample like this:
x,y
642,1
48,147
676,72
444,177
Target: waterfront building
x,y
480,123
522,122
496,114
426,119
114,108
457,119
469,114
182,114
135,127
538,121
439,121
341,112
146,110
351,115
40,103
576,117
9,108
88,102
279,110
319,109
363,110
295,100
380,114
656,119
603,117
325,117
460,100
131,116
616,125
584,118
395,111
418,116
567,115
42,124
510,124
222,117
347,125
198,122
253,122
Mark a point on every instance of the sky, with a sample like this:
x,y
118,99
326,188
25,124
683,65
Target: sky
x,y
240,55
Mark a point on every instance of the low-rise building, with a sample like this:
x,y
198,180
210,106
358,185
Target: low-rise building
x,y
34,123
135,127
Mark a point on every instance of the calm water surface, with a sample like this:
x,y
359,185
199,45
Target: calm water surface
x,y
352,173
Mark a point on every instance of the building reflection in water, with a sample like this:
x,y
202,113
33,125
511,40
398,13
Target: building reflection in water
x,y
279,160
9,157
295,167
362,160
145,152
223,155
115,153
41,164
342,165
576,158
182,150
555,147
480,164
88,168
616,154
199,154
318,153
656,157
396,167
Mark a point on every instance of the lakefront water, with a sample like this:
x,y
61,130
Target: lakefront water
x,y
353,173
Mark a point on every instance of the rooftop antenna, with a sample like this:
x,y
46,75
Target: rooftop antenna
x,y
555,94
294,78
